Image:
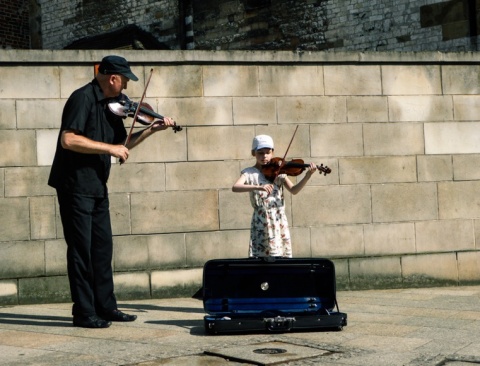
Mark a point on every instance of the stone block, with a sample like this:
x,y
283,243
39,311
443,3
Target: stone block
x,y
290,80
367,109
130,253
43,290
46,146
458,200
22,259
331,205
420,108
208,143
199,111
444,236
55,257
203,246
2,182
42,217
452,138
230,80
8,120
353,80
378,170
17,147
8,292
252,110
14,219
175,81
311,109
460,79
375,273
166,251
404,202
74,77
37,114
27,182
468,268
132,286
465,167
411,79
235,210
418,270
176,283
201,175
120,213
336,139
393,139
301,246
433,168
44,82
389,239
194,211
337,241
466,107
163,146
341,274
137,177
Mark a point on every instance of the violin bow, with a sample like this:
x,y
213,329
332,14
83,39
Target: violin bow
x,y
138,109
286,152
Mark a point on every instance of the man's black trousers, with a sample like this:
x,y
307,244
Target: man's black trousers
x,y
88,233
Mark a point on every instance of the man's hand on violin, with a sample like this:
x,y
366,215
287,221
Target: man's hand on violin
x,y
120,152
159,125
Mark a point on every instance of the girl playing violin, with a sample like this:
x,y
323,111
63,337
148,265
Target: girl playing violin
x,y
269,231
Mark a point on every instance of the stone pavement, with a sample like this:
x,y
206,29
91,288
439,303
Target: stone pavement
x,y
427,326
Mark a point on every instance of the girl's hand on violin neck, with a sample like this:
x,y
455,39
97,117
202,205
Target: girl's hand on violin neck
x,y
311,169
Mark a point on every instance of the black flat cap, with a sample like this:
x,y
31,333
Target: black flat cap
x,y
116,65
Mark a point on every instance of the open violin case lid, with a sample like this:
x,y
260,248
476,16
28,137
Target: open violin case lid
x,y
274,295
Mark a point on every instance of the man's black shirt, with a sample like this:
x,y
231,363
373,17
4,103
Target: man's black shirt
x,y
86,112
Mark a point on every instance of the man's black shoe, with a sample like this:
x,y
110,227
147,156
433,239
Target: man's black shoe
x,y
90,322
118,316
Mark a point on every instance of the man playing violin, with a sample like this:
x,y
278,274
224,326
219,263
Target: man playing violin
x,y
269,230
89,136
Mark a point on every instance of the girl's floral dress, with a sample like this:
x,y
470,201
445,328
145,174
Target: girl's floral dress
x,y
269,232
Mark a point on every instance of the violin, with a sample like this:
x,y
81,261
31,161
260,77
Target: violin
x,y
124,107
293,168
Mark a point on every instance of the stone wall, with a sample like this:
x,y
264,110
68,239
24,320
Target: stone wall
x,y
399,131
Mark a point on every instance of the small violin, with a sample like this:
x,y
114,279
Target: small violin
x,y
124,107
293,168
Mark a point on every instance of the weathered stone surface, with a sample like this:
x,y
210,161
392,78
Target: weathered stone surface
x,y
418,271
379,272
404,202
452,138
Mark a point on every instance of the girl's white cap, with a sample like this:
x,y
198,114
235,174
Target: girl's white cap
x,y
262,142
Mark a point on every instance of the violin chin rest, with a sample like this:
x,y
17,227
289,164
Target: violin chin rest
x,y
117,109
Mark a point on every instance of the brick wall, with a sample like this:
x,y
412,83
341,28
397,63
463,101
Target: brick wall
x,y
399,131
65,21
353,25
14,24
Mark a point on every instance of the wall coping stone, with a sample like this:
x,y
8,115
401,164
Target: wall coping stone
x,y
59,57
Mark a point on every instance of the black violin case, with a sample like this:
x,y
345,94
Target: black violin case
x,y
274,295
